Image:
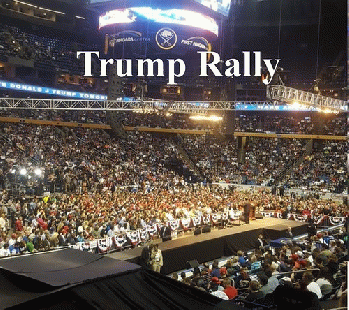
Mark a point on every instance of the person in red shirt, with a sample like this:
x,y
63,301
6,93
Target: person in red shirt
x,y
19,224
229,289
42,223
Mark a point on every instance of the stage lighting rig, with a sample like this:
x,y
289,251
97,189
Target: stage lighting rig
x,y
288,94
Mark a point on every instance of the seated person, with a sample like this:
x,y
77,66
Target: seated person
x,y
229,288
254,292
263,279
255,264
242,281
312,286
273,281
217,290
242,260
215,269
291,298
324,281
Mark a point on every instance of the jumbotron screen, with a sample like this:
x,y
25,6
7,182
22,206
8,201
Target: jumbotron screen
x,y
161,16
219,6
158,32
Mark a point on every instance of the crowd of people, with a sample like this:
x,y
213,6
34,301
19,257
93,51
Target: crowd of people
x,y
102,186
288,123
306,271
264,161
78,116
103,181
323,169
66,219
45,50
73,159
277,122
281,122
87,158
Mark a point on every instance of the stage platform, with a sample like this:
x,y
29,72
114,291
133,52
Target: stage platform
x,y
215,244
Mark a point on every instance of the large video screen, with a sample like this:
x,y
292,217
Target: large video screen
x,y
172,16
219,6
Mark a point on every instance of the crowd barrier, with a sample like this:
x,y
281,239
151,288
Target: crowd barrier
x,y
120,241
319,220
128,239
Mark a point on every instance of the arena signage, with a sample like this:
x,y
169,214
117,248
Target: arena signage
x,y
197,42
166,38
128,36
241,106
51,91
176,67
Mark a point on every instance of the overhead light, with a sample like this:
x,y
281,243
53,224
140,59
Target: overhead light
x,y
23,171
296,104
213,118
40,8
58,12
328,111
38,171
80,17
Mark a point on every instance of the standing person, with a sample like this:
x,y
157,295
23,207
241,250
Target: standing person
x,y
145,256
282,191
156,261
165,233
2,180
289,234
311,229
261,243
247,208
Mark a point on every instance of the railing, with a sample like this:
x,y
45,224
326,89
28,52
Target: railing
x,y
199,107
132,238
319,220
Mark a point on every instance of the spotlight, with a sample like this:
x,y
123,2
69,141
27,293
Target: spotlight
x,y
38,172
213,118
328,111
23,171
265,79
13,171
296,104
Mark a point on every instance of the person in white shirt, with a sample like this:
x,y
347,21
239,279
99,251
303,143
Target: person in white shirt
x,y
220,294
324,281
218,290
311,285
4,223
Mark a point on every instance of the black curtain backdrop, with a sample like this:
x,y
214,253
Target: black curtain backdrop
x,y
208,250
137,290
143,290
176,253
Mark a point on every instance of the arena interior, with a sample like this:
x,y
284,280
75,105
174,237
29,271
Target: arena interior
x,y
123,191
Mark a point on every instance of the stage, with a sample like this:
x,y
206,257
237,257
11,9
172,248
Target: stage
x,y
215,244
